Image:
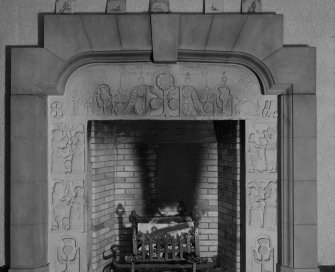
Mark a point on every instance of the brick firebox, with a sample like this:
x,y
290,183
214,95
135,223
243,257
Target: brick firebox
x,y
140,165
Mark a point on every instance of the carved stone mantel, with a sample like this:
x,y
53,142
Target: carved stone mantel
x,y
73,43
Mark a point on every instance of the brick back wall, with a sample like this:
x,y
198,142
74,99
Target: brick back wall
x,y
101,167
229,206
125,159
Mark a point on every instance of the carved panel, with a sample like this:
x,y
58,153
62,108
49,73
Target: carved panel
x,y
68,205
68,255
263,255
262,204
262,148
67,148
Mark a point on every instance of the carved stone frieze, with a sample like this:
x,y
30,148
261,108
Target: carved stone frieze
x,y
163,92
262,204
68,255
68,205
262,148
263,255
67,148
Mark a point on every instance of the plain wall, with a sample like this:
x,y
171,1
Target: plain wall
x,y
305,22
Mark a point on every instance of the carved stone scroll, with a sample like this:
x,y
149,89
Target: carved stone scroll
x,y
68,255
262,148
67,147
68,205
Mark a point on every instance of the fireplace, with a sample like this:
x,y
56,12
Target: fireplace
x,y
163,134
211,120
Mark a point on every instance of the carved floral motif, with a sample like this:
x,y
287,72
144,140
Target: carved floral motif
x,y
68,256
262,203
67,202
56,110
67,146
262,148
263,255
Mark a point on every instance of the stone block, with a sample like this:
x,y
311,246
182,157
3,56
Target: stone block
x,y
28,246
25,112
65,6
214,6
304,116
251,6
116,6
135,38
107,38
186,6
24,169
165,36
261,35
294,65
34,71
65,36
194,31
224,32
305,202
305,246
305,166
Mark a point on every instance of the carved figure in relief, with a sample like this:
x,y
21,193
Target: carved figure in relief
x,y
67,202
68,255
226,98
103,100
268,111
57,111
67,145
262,203
263,255
262,149
251,6
65,6
137,101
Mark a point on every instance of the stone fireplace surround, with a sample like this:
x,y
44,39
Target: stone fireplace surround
x,y
73,41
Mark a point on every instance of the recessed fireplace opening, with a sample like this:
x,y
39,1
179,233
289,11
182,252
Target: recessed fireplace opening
x,y
164,167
